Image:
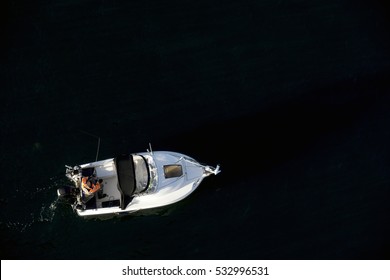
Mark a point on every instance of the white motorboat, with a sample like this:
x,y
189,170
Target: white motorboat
x,y
133,182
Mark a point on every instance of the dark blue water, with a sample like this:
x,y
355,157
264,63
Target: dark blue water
x,y
290,97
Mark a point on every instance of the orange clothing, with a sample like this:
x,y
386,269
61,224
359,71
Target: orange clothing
x,y
89,187
95,188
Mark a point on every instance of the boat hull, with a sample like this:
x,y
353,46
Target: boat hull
x,y
174,176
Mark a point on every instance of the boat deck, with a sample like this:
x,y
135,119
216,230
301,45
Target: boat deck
x,y
109,193
108,196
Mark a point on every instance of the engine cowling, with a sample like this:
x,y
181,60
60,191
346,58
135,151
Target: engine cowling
x,y
67,194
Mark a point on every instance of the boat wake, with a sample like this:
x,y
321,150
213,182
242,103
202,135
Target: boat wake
x,y
19,220
45,214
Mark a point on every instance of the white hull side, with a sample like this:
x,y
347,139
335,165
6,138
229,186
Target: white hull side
x,y
169,190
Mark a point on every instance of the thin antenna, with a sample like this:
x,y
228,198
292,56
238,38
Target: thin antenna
x,y
150,148
98,147
93,135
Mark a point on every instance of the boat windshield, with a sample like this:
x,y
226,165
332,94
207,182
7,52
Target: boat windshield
x,y
153,173
142,175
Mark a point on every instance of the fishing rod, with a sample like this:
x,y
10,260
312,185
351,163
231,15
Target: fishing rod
x,y
95,136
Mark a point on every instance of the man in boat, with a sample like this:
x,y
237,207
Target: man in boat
x,y
90,186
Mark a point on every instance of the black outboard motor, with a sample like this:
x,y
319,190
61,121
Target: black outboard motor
x,y
68,194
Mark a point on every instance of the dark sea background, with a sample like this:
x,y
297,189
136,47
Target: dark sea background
x,y
291,98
